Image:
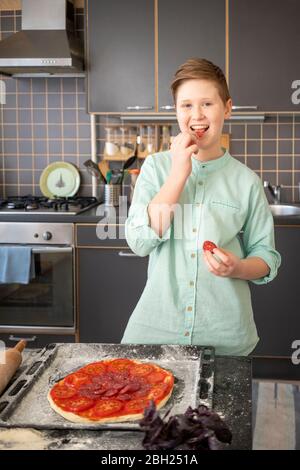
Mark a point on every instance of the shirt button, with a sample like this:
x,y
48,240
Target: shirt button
x,y
203,166
186,333
200,183
192,283
194,230
189,309
193,255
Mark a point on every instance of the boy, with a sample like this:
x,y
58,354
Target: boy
x,y
194,296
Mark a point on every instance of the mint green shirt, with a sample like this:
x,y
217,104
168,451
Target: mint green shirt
x,y
183,303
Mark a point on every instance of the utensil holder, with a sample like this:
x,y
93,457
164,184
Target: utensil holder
x,y
112,192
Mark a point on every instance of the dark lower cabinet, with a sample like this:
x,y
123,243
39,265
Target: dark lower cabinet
x,y
111,281
276,311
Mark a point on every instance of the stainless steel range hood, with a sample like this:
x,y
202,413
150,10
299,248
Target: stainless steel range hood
x,y
46,45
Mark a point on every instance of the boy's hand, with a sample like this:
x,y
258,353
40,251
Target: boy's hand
x,y
182,149
228,266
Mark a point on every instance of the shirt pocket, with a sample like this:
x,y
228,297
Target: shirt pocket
x,y
230,206
226,215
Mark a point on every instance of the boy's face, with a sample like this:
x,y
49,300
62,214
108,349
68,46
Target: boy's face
x,y
200,110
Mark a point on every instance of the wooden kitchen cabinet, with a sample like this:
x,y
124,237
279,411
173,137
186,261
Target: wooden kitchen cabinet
x,y
276,305
127,67
110,282
263,53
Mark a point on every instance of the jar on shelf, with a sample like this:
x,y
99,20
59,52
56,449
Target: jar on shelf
x,y
142,142
111,148
165,139
150,139
128,142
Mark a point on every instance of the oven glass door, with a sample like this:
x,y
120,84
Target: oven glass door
x,y
48,299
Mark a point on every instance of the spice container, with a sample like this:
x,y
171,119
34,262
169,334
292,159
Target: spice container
x,y
142,142
111,148
150,139
165,139
128,141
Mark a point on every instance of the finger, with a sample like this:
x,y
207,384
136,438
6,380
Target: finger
x,y
211,269
182,140
219,266
223,257
193,148
187,139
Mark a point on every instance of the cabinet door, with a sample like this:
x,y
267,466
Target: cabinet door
x,y
110,285
120,55
185,30
276,305
264,36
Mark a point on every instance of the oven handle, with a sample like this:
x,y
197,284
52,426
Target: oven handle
x,y
17,338
52,249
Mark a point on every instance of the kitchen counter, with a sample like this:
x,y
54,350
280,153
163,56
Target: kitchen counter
x,y
93,216
103,214
232,400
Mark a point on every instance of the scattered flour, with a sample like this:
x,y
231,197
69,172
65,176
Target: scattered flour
x,y
21,439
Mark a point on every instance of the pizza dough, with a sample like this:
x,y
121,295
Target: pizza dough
x,y
111,391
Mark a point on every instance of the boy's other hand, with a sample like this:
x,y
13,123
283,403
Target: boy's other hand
x,y
182,149
227,264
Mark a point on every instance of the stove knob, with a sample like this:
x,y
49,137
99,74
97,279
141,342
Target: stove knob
x,y
47,235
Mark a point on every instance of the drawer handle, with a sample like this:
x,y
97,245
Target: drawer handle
x,y
16,338
167,107
124,254
138,108
244,107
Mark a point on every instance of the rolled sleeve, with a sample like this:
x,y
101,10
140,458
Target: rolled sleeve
x,y
141,238
258,236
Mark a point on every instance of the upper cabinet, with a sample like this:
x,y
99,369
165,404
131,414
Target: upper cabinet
x,y
120,55
264,65
134,47
185,30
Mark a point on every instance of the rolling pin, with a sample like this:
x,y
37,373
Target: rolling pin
x,y
13,359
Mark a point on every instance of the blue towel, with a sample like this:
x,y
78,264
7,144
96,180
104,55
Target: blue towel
x,y
16,264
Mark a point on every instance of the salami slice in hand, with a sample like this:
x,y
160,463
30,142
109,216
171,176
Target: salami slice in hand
x,y
209,246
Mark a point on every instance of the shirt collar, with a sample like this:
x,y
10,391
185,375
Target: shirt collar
x,y
211,165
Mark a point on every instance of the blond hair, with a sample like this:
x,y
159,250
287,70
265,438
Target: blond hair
x,y
200,69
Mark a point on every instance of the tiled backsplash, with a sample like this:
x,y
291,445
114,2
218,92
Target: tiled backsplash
x,y
44,120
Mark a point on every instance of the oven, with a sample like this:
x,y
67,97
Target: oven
x,y
47,303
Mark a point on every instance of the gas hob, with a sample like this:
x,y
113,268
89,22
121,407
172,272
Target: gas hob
x,y
43,205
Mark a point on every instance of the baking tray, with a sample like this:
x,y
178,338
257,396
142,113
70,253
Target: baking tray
x,y
25,404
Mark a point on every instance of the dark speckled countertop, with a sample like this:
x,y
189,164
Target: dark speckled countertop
x,y
232,400
91,216
103,213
